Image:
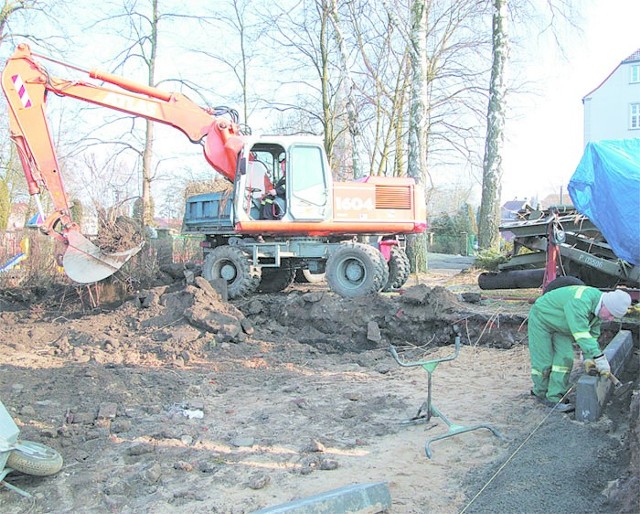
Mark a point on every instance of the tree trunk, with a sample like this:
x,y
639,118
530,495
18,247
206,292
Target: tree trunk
x,y
417,154
488,233
147,164
352,114
147,155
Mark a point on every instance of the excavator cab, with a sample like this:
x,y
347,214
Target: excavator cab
x,y
295,169
262,181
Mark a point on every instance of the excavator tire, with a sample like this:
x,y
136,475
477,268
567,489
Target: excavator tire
x,y
275,280
399,269
356,269
39,460
234,266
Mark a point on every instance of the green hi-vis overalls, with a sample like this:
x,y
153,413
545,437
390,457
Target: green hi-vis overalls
x,y
558,318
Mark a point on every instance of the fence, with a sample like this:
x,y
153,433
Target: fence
x,y
457,244
37,267
177,248
9,245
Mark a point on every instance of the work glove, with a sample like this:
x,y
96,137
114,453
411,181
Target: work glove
x,y
590,367
602,364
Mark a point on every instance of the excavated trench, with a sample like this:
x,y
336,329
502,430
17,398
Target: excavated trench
x,y
420,317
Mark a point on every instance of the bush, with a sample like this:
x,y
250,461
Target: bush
x,y
490,260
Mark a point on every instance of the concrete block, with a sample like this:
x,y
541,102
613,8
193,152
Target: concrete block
x,y
592,393
353,499
619,350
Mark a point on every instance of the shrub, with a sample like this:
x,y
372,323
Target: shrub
x,y
490,260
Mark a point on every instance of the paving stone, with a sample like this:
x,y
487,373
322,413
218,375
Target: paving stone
x,y
353,499
592,392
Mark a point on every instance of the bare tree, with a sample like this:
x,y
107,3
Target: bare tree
x,y
488,235
443,95
32,20
23,20
308,49
417,165
11,9
139,23
143,26
381,88
349,85
236,19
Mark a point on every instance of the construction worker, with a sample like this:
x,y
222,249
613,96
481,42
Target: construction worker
x,y
556,320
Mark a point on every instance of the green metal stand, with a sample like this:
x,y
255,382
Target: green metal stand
x,y
427,409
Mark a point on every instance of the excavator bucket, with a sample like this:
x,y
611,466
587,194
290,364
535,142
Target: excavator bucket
x,y
85,263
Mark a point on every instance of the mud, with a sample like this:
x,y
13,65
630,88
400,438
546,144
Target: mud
x,y
175,401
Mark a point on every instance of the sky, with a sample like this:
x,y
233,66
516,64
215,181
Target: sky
x,y
545,131
545,135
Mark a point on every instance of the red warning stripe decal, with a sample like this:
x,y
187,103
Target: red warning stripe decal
x,y
22,91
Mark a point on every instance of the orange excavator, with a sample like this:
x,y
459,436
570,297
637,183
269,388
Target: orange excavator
x,y
317,218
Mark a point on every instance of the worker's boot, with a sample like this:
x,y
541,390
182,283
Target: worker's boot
x,y
558,406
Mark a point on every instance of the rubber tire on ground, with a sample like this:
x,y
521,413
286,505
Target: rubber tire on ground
x,y
562,282
399,269
362,258
275,280
590,276
246,278
304,276
45,462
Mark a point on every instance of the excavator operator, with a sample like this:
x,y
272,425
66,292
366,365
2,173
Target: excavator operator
x,y
274,201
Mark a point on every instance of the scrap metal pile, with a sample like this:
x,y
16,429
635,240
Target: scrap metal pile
x,y
596,239
559,240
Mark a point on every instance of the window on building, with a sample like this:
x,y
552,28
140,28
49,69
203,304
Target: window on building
x,y
635,73
634,116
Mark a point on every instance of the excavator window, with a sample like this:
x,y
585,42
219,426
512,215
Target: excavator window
x,y
309,166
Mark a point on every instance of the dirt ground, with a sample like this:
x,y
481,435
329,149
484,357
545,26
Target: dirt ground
x,y
176,401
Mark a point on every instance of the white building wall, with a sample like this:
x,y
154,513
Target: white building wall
x,y
607,108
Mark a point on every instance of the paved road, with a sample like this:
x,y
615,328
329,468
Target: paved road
x,y
445,261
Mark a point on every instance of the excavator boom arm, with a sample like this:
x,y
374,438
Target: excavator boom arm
x,y
26,84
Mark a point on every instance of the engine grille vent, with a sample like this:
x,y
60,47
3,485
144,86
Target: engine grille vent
x,y
393,197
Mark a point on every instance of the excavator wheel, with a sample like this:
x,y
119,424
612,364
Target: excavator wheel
x,y
234,266
356,269
399,269
276,279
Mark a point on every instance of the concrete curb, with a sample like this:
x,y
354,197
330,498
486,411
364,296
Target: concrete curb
x,y
353,499
593,392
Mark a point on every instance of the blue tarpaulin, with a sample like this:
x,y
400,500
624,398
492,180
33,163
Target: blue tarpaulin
x,y
606,188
